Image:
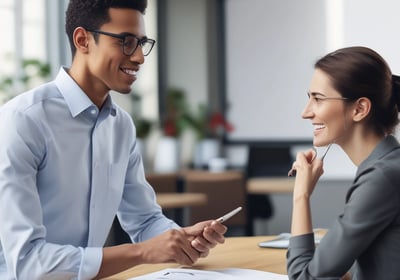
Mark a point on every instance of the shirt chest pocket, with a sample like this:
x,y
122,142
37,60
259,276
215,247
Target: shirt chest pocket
x,y
115,182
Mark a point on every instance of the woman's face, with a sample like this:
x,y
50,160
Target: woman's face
x,y
327,111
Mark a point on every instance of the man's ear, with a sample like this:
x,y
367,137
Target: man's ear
x,y
361,109
81,39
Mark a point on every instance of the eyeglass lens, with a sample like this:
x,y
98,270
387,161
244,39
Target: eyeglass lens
x,y
131,43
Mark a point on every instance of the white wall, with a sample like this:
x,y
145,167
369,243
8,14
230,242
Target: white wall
x,y
270,50
272,46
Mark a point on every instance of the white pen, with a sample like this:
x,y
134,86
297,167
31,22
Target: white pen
x,y
229,215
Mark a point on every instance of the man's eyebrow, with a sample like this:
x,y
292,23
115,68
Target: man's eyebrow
x,y
131,34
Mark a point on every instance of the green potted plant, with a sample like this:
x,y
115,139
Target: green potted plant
x,y
176,111
210,129
33,71
208,125
173,124
143,125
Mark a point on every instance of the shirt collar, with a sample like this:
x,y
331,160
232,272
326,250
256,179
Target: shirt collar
x,y
110,106
385,146
75,97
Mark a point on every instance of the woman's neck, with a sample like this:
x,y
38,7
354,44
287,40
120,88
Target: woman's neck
x,y
360,146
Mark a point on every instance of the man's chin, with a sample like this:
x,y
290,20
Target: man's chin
x,y
124,90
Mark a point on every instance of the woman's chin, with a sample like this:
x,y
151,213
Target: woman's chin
x,y
320,143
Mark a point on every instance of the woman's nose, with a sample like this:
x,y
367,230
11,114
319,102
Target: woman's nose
x,y
307,112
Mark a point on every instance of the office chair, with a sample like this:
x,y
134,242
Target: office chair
x,y
225,191
164,182
264,161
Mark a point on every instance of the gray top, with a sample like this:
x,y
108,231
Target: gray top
x,y
366,234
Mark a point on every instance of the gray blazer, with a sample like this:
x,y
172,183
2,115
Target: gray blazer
x,y
367,234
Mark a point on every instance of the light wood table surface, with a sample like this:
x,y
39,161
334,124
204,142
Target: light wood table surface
x,y
236,252
180,200
270,185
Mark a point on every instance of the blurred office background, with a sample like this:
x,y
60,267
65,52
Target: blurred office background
x,y
248,61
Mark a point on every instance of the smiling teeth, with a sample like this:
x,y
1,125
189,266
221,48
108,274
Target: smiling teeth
x,y
319,126
129,72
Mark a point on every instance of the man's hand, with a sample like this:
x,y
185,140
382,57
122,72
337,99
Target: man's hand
x,y
184,246
205,235
171,246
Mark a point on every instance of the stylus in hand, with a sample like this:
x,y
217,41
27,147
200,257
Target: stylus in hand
x,y
229,215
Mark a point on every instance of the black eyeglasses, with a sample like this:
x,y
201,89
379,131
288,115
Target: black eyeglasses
x,y
130,42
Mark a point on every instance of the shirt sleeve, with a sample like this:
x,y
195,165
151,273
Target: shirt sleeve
x,y
371,206
25,251
90,263
139,214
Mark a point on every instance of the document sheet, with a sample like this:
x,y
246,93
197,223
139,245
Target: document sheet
x,y
282,241
224,274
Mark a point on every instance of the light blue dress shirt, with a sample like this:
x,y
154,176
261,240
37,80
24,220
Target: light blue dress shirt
x,y
66,168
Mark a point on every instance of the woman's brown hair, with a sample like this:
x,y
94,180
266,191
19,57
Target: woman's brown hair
x,y
357,72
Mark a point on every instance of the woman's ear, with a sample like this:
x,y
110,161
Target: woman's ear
x,y
361,109
81,39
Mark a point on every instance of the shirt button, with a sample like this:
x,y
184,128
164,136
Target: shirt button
x,y
93,112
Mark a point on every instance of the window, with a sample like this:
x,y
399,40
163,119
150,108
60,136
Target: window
x,y
23,24
35,30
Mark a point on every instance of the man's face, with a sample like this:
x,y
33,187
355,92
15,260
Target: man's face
x,y
109,67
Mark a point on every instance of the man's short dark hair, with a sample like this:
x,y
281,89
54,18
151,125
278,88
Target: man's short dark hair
x,y
92,14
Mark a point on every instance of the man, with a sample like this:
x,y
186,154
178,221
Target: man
x,y
69,162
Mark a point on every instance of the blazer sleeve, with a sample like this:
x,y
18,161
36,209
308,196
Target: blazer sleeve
x,y
372,204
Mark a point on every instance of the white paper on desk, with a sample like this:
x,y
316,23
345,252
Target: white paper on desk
x,y
254,274
224,274
282,241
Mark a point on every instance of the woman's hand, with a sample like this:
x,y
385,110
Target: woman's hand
x,y
308,170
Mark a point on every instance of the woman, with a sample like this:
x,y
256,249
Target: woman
x,y
353,102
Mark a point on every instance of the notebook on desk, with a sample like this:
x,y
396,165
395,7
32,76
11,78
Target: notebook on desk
x,y
282,241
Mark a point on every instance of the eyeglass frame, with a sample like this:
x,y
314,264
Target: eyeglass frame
x,y
323,97
122,36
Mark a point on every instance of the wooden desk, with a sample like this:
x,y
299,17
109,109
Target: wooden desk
x,y
270,185
179,200
236,252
